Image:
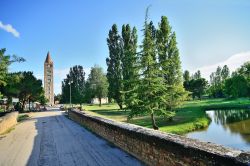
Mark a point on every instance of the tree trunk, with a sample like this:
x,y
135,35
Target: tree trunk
x,y
155,127
23,105
9,101
29,104
100,102
120,105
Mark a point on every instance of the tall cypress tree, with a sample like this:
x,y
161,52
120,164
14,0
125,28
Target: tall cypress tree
x,y
129,63
114,70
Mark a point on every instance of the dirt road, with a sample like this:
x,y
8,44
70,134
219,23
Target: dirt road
x,y
49,138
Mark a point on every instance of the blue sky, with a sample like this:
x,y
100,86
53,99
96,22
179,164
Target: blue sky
x,y
209,33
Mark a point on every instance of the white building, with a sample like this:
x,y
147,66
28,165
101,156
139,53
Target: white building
x,y
96,101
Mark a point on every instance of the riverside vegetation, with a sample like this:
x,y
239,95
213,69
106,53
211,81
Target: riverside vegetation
x,y
189,117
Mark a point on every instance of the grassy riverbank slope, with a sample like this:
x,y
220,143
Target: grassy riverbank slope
x,y
189,117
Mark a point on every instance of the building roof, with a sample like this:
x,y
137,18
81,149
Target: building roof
x,y
48,58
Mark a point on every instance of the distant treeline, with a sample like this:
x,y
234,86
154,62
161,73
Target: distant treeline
x,y
222,84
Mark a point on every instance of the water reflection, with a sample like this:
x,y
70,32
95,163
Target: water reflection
x,y
228,127
229,116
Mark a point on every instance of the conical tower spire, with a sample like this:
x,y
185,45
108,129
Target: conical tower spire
x,y
48,58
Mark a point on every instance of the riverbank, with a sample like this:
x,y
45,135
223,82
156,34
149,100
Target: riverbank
x,y
189,117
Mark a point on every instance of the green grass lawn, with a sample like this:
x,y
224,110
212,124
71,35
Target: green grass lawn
x,y
189,117
22,117
1,110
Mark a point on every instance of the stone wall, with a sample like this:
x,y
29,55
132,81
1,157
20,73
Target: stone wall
x,y
158,148
8,121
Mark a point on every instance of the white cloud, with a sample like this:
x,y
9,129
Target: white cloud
x,y
233,62
39,76
10,29
61,73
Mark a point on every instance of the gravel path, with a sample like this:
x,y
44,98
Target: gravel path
x,y
49,138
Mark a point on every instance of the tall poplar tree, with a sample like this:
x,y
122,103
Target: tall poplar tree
x,y
114,63
170,64
186,75
197,75
129,63
225,73
216,83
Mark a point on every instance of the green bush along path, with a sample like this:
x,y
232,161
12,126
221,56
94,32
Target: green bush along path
x,y
189,117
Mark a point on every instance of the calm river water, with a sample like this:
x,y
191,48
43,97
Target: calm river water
x,y
228,127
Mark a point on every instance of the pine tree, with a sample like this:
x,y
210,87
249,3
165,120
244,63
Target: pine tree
x,y
114,70
151,92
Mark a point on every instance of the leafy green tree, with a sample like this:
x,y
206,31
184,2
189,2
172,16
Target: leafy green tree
x,y
75,79
5,61
216,83
114,63
236,86
30,88
244,71
197,75
186,75
98,83
58,97
198,87
187,78
12,87
130,70
88,95
25,86
42,99
225,73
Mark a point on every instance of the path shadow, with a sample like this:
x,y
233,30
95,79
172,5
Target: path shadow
x,y
60,141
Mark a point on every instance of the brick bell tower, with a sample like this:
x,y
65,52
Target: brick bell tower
x,y
49,79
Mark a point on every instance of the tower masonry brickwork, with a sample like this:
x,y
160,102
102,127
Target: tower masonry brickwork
x,y
49,79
